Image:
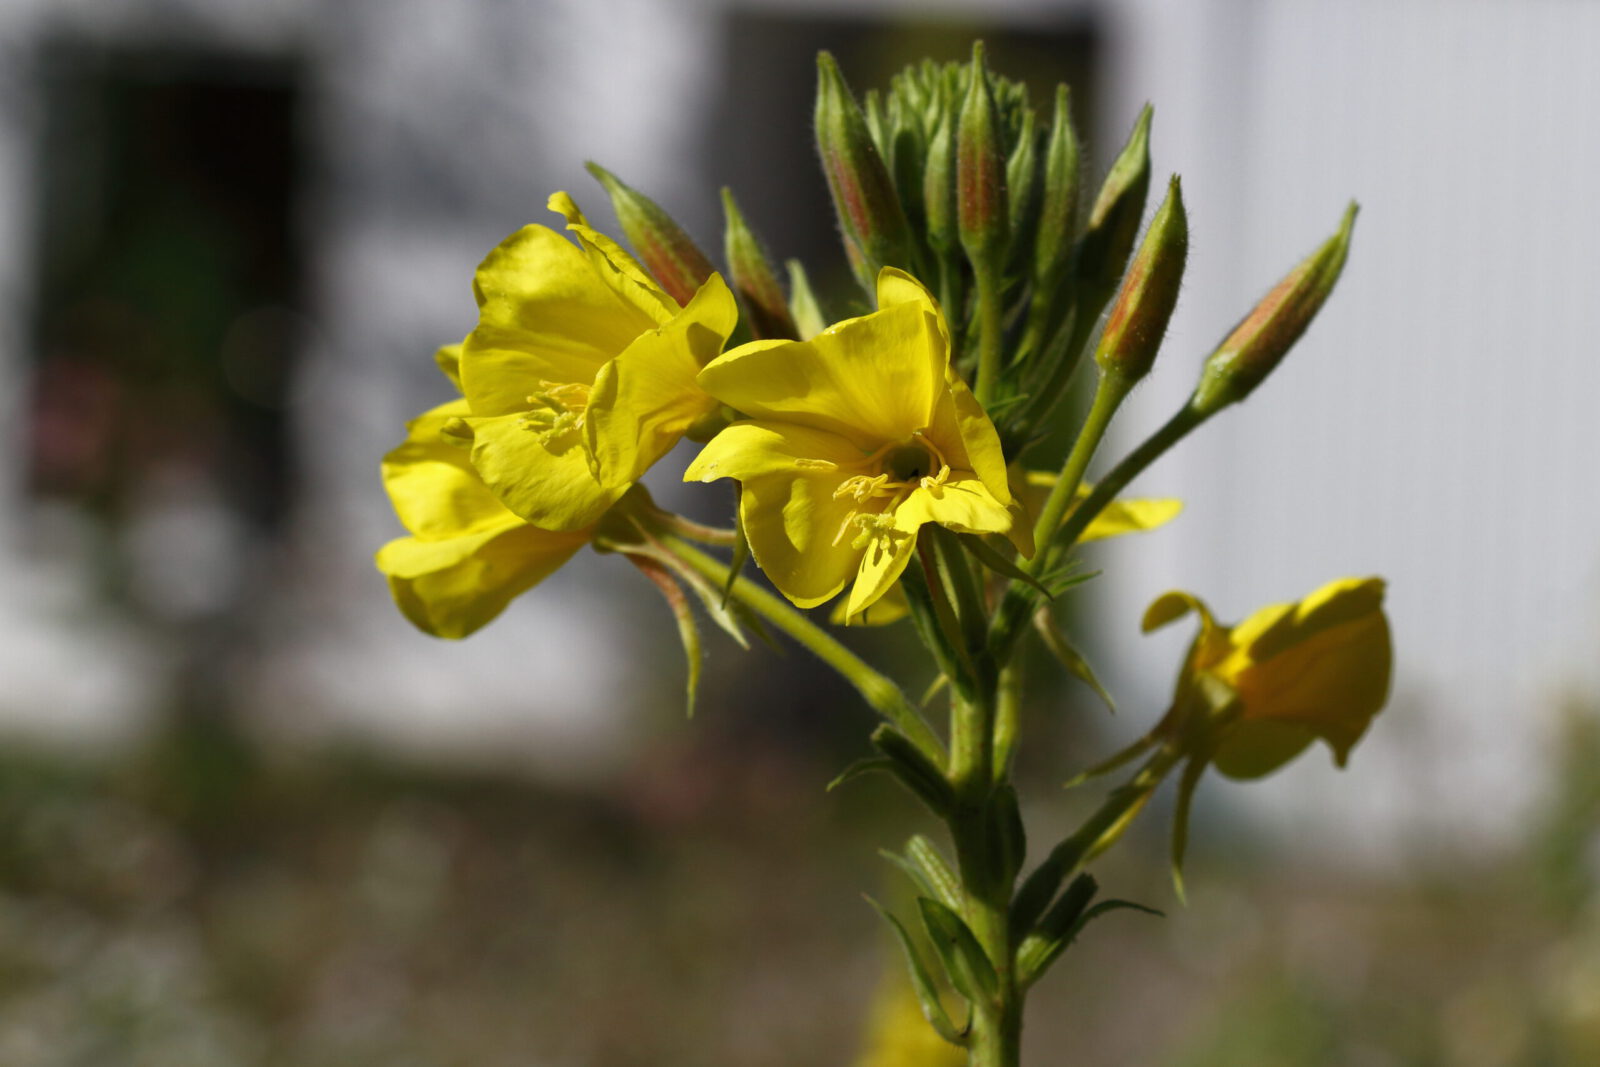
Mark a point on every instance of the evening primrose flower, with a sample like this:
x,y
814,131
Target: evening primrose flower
x,y
467,556
1251,697
1123,516
853,440
581,371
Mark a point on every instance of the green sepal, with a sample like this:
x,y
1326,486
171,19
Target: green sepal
x,y
1068,656
1192,772
921,982
688,630
985,554
753,277
741,546
803,306
1107,242
913,769
969,968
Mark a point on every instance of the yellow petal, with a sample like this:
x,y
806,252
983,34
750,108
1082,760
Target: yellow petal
x,y
1119,517
790,521
873,379
450,588
890,608
1254,749
1324,666
432,483
647,397
962,429
964,505
448,358
749,449
882,563
620,270
548,484
545,314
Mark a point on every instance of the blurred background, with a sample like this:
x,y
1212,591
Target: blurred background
x,y
249,817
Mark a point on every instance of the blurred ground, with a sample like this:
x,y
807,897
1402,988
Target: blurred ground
x,y
205,903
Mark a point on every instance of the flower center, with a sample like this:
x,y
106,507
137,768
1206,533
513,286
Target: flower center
x,y
903,467
558,413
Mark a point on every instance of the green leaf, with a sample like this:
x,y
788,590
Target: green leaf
x,y
1039,960
922,982
925,855
1068,656
913,769
803,304
964,959
1049,939
865,765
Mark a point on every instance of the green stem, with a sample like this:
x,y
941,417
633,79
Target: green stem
x,y
1017,606
1007,718
878,690
990,329
1108,396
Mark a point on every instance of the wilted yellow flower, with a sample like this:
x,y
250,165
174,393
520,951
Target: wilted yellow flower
x,y
854,440
467,556
1288,674
581,371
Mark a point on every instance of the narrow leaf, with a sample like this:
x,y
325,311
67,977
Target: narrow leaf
x,y
925,855
688,631
865,765
741,549
803,302
989,557
964,959
914,770
921,981
1068,656
919,878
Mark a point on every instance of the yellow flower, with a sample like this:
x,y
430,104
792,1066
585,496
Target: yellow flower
x,y
581,371
855,439
1120,517
1256,694
467,556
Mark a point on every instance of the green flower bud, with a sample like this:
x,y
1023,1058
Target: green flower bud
x,y
1258,344
1022,188
1114,219
983,216
754,279
874,224
1149,292
939,188
1058,209
666,251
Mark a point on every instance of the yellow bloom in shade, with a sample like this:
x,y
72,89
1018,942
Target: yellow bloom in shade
x,y
1119,517
853,440
1288,674
581,371
467,556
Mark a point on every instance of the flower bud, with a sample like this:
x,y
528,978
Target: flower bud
x,y
666,250
1022,188
1058,209
874,224
939,187
753,278
1149,292
1114,220
983,215
1258,344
